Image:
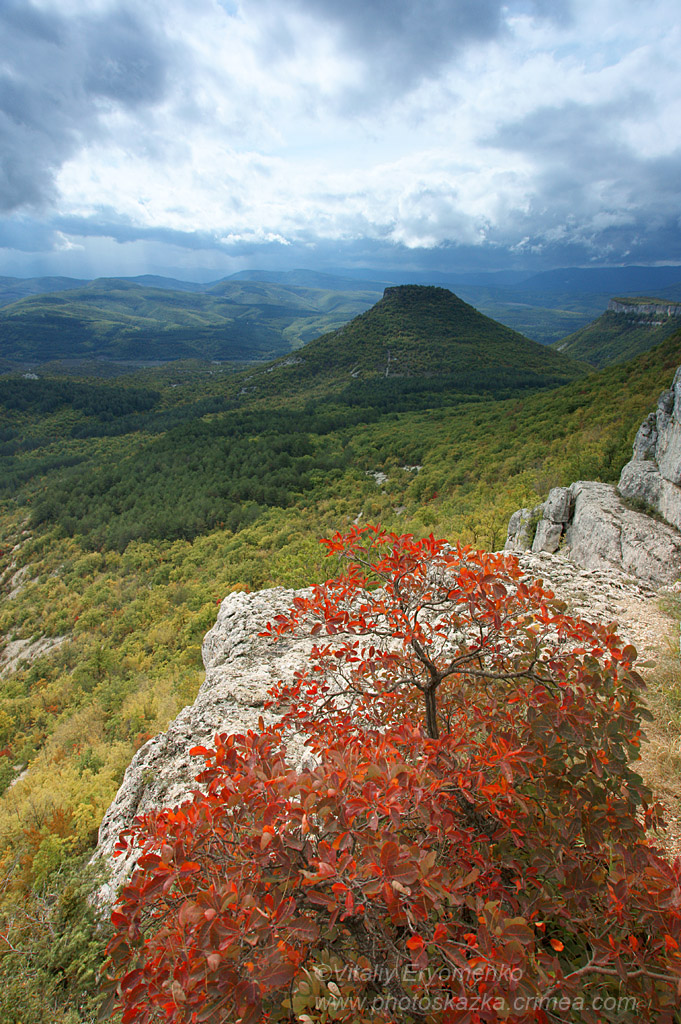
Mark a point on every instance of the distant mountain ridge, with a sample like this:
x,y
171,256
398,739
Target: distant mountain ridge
x,y
118,319
630,326
135,321
13,289
547,306
603,279
565,280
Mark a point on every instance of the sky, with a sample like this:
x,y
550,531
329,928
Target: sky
x,y
197,138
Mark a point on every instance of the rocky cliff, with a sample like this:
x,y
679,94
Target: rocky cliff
x,y
634,526
654,474
654,310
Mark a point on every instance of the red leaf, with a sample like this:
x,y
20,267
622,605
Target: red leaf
x,y
280,975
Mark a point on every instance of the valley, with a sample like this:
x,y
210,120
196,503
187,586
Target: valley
x,y
121,322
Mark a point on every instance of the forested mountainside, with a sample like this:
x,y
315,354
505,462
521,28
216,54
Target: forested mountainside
x,y
129,509
629,326
418,346
191,457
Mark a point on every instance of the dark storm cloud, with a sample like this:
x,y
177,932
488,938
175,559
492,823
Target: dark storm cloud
x,y
401,41
58,74
594,189
583,137
121,65
108,224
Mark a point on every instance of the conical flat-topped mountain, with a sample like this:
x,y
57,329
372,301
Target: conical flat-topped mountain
x,y
420,336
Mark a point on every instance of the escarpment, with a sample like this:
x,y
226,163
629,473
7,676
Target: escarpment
x,y
654,310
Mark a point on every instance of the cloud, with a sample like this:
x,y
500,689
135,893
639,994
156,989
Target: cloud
x,y
398,43
593,186
27,235
123,64
61,75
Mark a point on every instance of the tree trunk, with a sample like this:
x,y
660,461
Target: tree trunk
x,y
431,713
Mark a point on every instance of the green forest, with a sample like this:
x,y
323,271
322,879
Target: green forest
x,y
129,509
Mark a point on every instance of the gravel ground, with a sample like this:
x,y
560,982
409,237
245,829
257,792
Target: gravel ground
x,y
638,610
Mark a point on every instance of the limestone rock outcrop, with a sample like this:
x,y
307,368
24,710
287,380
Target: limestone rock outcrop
x,y
604,532
654,311
598,525
653,476
241,666
590,524
522,527
542,527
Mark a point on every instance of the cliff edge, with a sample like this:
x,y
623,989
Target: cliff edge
x,y
653,476
633,527
241,666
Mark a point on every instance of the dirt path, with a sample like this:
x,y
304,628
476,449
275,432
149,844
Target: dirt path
x,y
608,595
655,636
